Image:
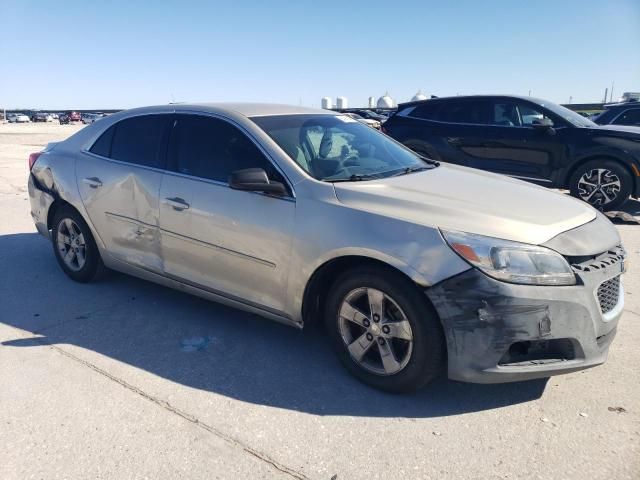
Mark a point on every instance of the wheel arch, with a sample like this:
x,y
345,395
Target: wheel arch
x,y
606,156
323,277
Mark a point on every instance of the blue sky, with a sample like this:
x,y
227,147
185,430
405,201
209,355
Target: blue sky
x,y
127,53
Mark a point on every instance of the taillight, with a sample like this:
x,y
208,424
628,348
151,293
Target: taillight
x,y
33,158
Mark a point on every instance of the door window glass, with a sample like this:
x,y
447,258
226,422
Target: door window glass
x,y
629,117
138,140
102,146
528,114
212,148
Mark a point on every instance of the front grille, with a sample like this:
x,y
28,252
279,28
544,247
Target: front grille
x,y
608,294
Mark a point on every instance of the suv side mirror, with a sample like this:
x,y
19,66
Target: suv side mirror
x,y
542,123
255,180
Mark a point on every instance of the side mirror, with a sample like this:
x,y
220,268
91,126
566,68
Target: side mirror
x,y
255,180
542,123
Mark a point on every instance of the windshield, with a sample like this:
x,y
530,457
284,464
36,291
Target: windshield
x,y
570,116
339,148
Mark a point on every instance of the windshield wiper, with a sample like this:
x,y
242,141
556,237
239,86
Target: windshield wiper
x,y
353,178
408,170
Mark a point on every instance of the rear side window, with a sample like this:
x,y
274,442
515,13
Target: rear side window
x,y
425,111
474,112
102,146
211,148
138,140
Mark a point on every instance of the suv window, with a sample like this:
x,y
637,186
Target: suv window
x,y
137,140
469,111
629,117
425,111
212,148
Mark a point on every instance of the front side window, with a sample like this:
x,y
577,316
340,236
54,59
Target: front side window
x,y
136,140
211,148
629,117
339,148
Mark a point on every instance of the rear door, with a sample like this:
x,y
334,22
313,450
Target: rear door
x,y
233,243
119,179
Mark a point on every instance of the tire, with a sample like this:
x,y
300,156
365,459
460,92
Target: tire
x,y
71,232
418,353
604,184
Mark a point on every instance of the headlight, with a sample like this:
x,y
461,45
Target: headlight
x,y
512,261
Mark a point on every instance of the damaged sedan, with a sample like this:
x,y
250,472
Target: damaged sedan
x,y
299,215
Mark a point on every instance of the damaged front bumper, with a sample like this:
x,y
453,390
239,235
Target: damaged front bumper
x,y
500,332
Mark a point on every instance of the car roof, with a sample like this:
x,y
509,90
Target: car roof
x,y
472,97
253,109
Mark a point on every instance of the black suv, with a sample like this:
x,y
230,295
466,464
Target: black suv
x,y
526,138
620,114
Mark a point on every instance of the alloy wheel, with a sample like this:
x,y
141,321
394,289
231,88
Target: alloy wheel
x,y
376,331
71,244
599,186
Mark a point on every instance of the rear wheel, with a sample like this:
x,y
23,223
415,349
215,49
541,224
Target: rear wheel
x,y
604,184
384,331
74,246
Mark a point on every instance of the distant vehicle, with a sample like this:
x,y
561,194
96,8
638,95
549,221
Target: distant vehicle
x,y
630,97
18,118
364,113
87,118
41,117
367,121
416,267
526,138
620,114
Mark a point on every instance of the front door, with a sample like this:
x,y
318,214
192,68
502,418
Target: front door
x,y
230,242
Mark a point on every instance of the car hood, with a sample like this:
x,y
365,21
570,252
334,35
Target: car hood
x,y
619,130
463,199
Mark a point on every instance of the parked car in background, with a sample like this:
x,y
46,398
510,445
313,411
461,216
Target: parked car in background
x,y
87,118
63,118
526,138
300,215
367,121
42,117
368,114
69,117
18,118
627,113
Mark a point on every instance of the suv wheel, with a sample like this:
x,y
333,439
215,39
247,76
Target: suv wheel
x,y
74,246
384,331
604,184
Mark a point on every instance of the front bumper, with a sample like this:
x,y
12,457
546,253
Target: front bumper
x,y
500,332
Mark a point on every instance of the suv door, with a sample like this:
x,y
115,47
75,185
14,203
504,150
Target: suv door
x,y
233,243
119,180
513,146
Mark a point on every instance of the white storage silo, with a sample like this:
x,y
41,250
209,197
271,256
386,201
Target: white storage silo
x,y
386,101
372,102
341,102
326,103
419,96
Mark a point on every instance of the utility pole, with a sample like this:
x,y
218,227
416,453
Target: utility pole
x,y
611,97
606,92
529,92
570,98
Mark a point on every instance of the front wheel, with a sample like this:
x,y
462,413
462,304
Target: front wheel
x,y
384,331
604,184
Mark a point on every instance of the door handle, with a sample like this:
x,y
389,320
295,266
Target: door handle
x,y
177,203
93,182
455,141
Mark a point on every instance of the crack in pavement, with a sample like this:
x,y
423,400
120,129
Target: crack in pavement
x,y
172,409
